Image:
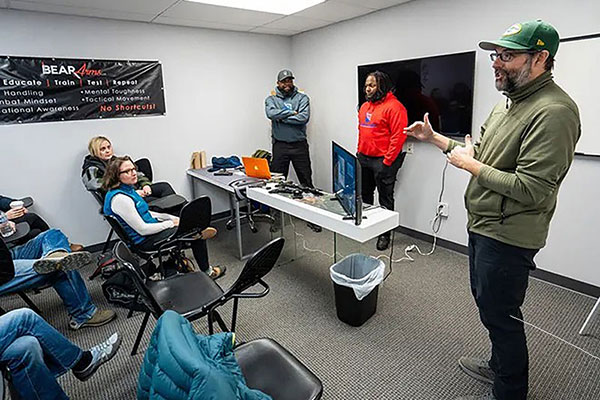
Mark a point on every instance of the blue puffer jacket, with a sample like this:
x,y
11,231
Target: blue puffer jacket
x,y
180,365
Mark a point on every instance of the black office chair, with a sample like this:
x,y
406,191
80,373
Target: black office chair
x,y
248,213
195,295
195,217
176,366
270,368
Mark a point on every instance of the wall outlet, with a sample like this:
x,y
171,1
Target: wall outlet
x,y
442,209
410,147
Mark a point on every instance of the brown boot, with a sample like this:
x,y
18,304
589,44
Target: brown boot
x,y
208,233
100,317
216,272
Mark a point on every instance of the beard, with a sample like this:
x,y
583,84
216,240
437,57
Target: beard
x,y
513,79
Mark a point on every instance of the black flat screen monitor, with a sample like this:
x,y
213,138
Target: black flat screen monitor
x,y
346,181
440,85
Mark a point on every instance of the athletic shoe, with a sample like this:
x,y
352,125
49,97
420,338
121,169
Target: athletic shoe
x,y
477,368
101,353
62,261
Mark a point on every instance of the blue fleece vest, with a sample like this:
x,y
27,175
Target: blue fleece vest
x,y
140,205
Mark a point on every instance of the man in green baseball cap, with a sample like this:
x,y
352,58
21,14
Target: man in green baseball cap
x,y
524,150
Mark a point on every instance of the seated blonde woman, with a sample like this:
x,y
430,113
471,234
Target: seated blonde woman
x,y
94,168
144,227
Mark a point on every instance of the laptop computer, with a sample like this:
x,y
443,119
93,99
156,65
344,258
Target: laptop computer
x,y
257,167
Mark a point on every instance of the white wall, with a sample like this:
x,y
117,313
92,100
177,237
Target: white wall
x,y
325,63
215,85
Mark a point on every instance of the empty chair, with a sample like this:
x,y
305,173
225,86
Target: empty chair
x,y
195,295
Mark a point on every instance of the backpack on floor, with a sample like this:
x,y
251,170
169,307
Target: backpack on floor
x,y
120,290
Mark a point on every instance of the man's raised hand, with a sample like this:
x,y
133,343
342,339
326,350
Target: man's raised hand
x,y
420,130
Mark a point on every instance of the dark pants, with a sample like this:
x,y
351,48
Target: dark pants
x,y
297,153
198,246
36,226
377,175
499,278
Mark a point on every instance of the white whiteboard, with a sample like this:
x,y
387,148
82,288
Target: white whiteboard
x,y
576,71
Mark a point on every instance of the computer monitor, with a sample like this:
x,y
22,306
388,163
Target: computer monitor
x,y
347,181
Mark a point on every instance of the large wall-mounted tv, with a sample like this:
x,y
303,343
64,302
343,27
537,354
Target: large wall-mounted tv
x,y
441,85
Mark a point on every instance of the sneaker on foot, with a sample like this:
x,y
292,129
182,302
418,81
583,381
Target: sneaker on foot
x,y
100,317
62,261
485,396
383,242
216,272
477,368
101,353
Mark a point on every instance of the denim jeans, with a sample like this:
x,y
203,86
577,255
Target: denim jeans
x,y
36,354
69,285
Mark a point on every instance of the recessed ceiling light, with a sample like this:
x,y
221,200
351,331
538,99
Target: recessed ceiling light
x,y
285,7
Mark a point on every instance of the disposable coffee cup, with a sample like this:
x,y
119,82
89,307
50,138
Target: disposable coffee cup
x,y
17,204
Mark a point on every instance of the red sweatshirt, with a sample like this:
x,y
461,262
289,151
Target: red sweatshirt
x,y
381,128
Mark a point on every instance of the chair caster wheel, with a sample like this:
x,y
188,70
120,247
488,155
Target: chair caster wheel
x,y
254,229
229,226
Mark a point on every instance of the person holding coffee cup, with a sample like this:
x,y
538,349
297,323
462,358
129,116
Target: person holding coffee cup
x,y
16,212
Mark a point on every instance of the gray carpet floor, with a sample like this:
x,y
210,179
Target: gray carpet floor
x,y
425,320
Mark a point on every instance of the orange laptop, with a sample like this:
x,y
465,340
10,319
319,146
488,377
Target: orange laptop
x,y
257,167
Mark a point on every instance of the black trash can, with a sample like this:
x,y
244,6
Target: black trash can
x,y
360,272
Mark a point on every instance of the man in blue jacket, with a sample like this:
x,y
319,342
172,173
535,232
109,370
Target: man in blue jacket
x,y
289,112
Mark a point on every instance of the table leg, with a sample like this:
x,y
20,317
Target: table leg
x,y
334,247
238,227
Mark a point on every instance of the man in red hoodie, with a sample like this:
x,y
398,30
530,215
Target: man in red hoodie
x,y
381,122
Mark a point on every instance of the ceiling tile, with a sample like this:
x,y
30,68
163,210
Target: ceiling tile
x,y
153,7
334,11
79,11
293,22
275,31
202,24
205,12
376,4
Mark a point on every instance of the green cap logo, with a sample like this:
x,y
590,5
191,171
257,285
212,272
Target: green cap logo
x,y
531,35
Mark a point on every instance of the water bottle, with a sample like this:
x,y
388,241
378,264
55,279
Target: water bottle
x,y
5,227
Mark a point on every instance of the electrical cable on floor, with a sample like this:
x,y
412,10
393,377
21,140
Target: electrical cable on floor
x,y
436,224
304,246
557,337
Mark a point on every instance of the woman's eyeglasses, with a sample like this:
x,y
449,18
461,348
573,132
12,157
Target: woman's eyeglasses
x,y
128,171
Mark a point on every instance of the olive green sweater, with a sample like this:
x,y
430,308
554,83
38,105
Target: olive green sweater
x,y
527,145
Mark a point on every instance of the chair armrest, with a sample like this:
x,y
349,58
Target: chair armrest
x,y
253,295
27,201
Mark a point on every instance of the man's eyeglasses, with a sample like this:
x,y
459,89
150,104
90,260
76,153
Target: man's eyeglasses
x,y
128,171
507,56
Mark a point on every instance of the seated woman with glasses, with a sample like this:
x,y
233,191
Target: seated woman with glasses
x,y
146,228
94,168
